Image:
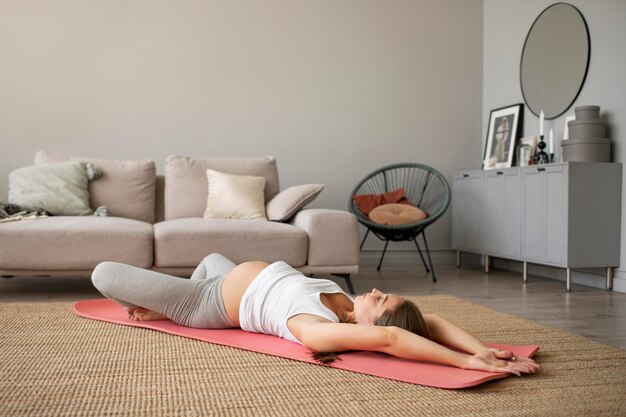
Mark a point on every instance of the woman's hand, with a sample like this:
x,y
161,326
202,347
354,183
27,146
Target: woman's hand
x,y
495,360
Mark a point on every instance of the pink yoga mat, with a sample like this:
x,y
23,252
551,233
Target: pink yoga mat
x,y
371,363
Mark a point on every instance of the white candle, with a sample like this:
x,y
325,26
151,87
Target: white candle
x,y
551,140
541,117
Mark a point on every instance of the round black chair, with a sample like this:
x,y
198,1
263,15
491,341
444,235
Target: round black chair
x,y
423,186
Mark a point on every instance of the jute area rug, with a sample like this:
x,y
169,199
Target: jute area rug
x,y
54,363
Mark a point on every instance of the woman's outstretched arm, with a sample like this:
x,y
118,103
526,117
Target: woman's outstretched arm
x,y
336,337
449,334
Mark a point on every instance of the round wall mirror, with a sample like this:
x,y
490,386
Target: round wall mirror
x,y
554,60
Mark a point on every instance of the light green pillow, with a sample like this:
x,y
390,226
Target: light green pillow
x,y
59,188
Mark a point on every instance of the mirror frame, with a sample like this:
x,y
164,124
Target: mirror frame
x,y
584,78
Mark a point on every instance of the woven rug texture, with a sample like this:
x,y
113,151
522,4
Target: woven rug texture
x,y
54,363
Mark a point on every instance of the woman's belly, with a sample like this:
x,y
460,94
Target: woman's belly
x,y
235,285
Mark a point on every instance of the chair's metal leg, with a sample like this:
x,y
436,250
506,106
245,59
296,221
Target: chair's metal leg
x,y
430,261
364,237
382,256
421,256
609,278
348,281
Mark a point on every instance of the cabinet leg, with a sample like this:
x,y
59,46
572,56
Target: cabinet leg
x,y
487,258
609,278
458,259
525,274
568,280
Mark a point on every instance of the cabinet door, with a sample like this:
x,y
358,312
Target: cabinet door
x,y
533,202
511,222
473,237
555,215
493,212
460,191
501,213
466,206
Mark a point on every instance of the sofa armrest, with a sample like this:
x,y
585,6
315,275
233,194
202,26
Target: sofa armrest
x,y
333,236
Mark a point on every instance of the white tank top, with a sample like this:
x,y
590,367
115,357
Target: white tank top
x,y
280,292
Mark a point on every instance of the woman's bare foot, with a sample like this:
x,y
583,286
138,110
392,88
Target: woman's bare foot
x,y
143,314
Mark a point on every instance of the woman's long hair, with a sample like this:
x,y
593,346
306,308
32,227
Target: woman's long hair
x,y
407,316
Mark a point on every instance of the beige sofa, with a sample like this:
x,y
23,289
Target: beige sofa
x,y
157,222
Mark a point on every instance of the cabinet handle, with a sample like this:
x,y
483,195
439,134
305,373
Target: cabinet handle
x,y
541,169
499,173
465,175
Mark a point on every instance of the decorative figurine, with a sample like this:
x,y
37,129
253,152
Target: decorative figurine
x,y
541,157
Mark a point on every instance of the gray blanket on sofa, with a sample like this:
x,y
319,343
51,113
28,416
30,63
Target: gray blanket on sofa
x,y
10,212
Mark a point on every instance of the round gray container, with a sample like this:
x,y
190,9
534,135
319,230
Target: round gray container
x,y
587,112
586,129
587,150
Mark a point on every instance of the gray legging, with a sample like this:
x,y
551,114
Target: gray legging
x,y
195,302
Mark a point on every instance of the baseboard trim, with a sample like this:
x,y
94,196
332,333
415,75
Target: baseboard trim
x,y
592,277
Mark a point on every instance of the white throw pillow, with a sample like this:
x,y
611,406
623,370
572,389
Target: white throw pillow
x,y
235,196
288,202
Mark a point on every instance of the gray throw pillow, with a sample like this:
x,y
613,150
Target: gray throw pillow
x,y
59,188
288,202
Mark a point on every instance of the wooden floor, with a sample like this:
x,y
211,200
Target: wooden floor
x,y
597,314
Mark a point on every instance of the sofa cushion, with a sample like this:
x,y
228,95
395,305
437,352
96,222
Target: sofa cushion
x,y
127,188
288,202
75,243
186,185
185,242
60,189
235,196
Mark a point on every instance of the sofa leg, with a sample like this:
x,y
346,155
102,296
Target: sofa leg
x,y
348,281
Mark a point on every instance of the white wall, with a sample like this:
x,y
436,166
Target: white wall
x,y
506,23
333,89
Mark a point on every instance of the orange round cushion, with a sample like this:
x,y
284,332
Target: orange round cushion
x,y
394,214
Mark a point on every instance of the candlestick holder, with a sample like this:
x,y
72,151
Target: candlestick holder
x,y
542,157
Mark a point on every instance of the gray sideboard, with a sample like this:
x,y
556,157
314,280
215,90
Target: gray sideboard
x,y
565,215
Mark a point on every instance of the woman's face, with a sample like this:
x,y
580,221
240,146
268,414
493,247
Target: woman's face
x,y
370,306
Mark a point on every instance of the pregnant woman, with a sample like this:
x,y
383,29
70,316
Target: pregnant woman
x,y
278,300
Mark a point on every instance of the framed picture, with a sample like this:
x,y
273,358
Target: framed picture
x,y
502,135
